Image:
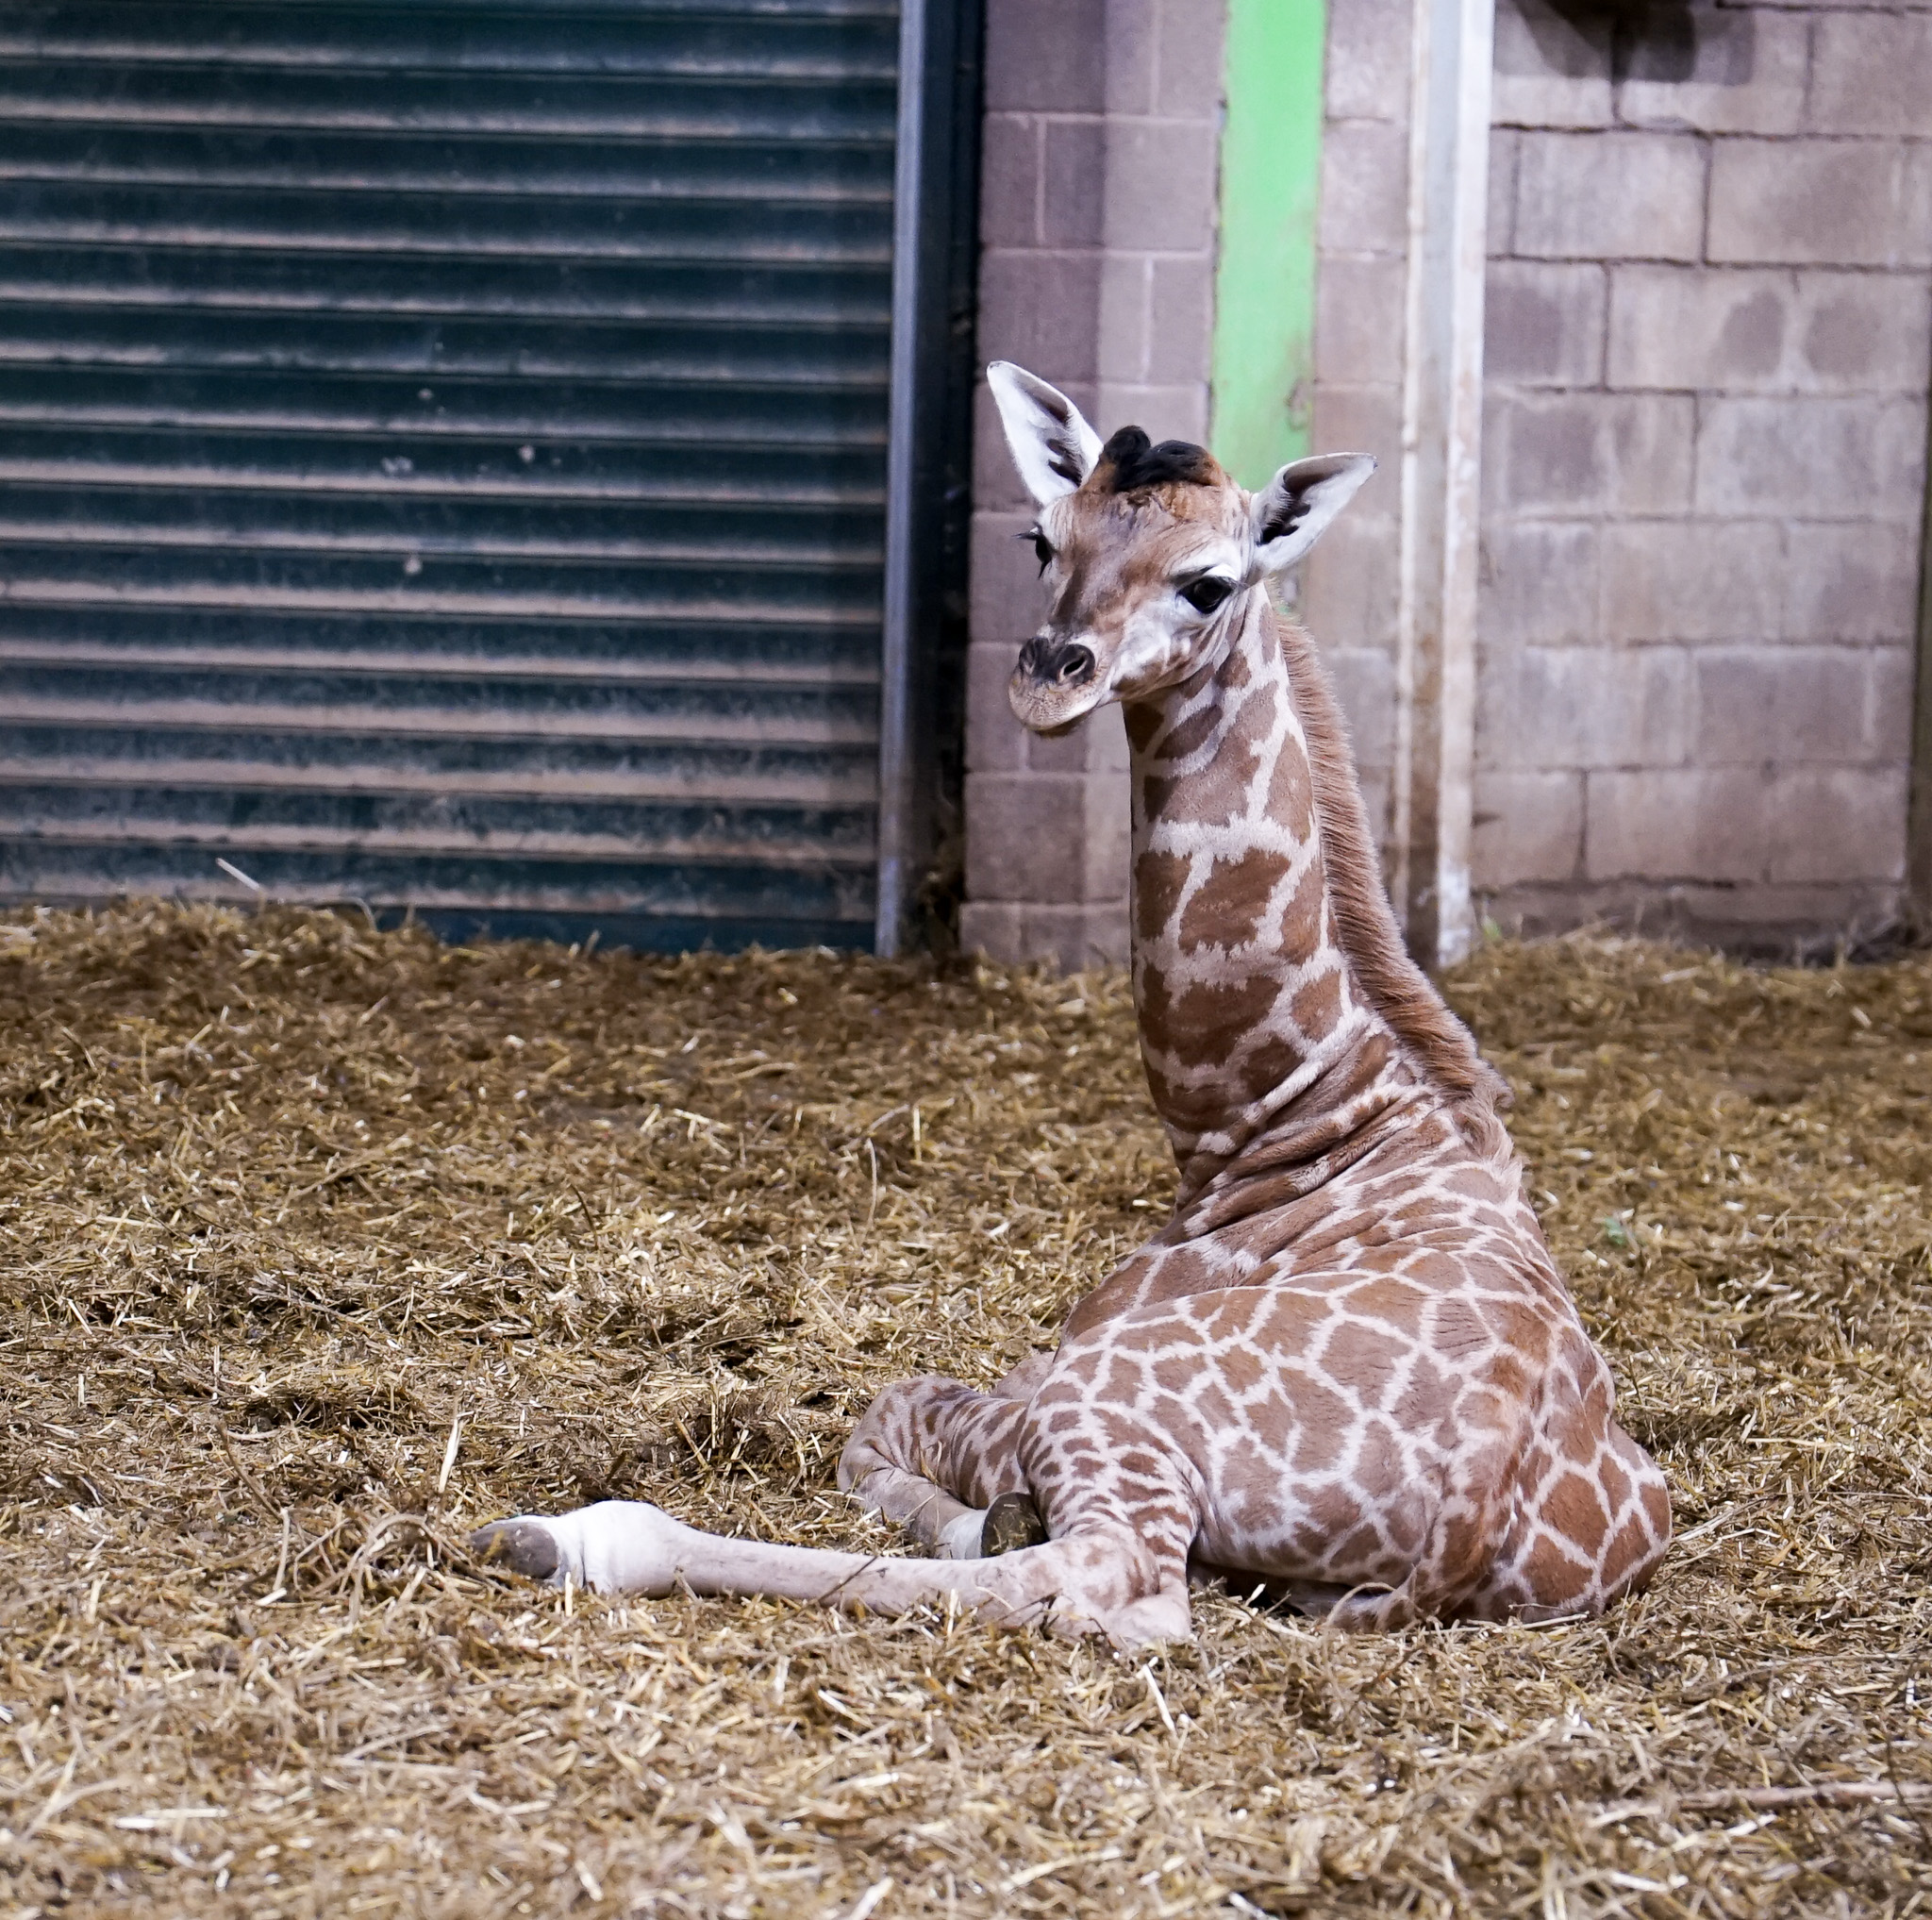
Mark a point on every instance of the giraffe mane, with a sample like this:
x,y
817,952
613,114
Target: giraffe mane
x,y
1131,463
1366,931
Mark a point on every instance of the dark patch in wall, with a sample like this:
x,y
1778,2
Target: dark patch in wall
x,y
1655,41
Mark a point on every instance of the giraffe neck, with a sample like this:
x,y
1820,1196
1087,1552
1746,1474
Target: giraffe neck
x,y
1273,993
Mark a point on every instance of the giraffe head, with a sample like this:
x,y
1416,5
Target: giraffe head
x,y
1151,551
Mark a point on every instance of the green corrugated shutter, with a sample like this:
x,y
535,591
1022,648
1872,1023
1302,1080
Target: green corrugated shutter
x,y
443,455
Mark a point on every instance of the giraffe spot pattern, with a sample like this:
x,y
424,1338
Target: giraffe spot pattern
x,y
1227,907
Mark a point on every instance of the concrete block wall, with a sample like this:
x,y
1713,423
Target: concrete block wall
x,y
1098,192
1707,350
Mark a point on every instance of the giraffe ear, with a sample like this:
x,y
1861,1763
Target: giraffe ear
x,y
1053,446
1293,511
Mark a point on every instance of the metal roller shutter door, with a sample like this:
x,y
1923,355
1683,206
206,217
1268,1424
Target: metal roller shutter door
x,y
443,458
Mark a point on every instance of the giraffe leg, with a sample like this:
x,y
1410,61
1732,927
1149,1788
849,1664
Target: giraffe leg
x,y
1102,1579
943,1525
933,1455
1591,1530
1027,1378
1116,1564
1012,1520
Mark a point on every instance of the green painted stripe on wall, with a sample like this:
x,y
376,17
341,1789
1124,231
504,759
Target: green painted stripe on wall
x,y
1264,281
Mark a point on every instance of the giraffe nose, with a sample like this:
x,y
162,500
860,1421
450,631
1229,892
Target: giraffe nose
x,y
1065,666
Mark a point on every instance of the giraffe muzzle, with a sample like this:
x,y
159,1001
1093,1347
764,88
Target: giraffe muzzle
x,y
1049,665
1054,684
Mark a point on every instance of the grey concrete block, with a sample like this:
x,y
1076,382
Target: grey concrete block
x,y
1828,460
995,742
1097,746
1190,55
1026,837
1539,583
1821,202
1129,54
1350,585
1688,327
1367,60
1853,581
1106,826
1076,938
1859,330
1058,839
1528,826
1363,420
1365,186
1500,233
1544,323
1180,319
1697,824
1074,183
1066,754
1125,318
1168,413
1838,824
1550,454
1609,196
1364,682
1041,309
1743,330
1161,180
1763,705
1046,59
1553,65
1691,581
1010,163
1872,73
1106,743
1558,708
992,929
1006,602
1729,70
1888,719
1359,315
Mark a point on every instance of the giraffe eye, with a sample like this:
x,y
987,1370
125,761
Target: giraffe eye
x,y
1042,547
1205,594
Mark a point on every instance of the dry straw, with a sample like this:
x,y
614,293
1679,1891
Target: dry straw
x,y
318,1247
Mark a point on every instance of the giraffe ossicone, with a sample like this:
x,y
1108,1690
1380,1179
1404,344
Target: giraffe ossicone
x,y
1347,1367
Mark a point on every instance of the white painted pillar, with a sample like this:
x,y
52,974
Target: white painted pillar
x,y
1441,446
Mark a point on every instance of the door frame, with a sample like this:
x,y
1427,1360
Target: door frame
x,y
929,459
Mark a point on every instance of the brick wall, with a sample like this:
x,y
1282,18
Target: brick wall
x,y
1098,224
1708,341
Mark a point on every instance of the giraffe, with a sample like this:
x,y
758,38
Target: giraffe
x,y
1347,1369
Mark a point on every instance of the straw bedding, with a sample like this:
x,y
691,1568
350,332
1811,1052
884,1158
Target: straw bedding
x,y
320,1246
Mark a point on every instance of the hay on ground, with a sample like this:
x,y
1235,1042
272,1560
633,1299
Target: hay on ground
x,y
319,1245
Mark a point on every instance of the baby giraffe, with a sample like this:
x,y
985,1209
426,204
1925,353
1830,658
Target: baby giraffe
x,y
1347,1368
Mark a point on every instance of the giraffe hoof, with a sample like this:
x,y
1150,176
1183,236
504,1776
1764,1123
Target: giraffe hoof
x,y
524,1546
1012,1521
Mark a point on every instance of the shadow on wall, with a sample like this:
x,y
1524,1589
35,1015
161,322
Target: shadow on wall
x,y
1640,40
